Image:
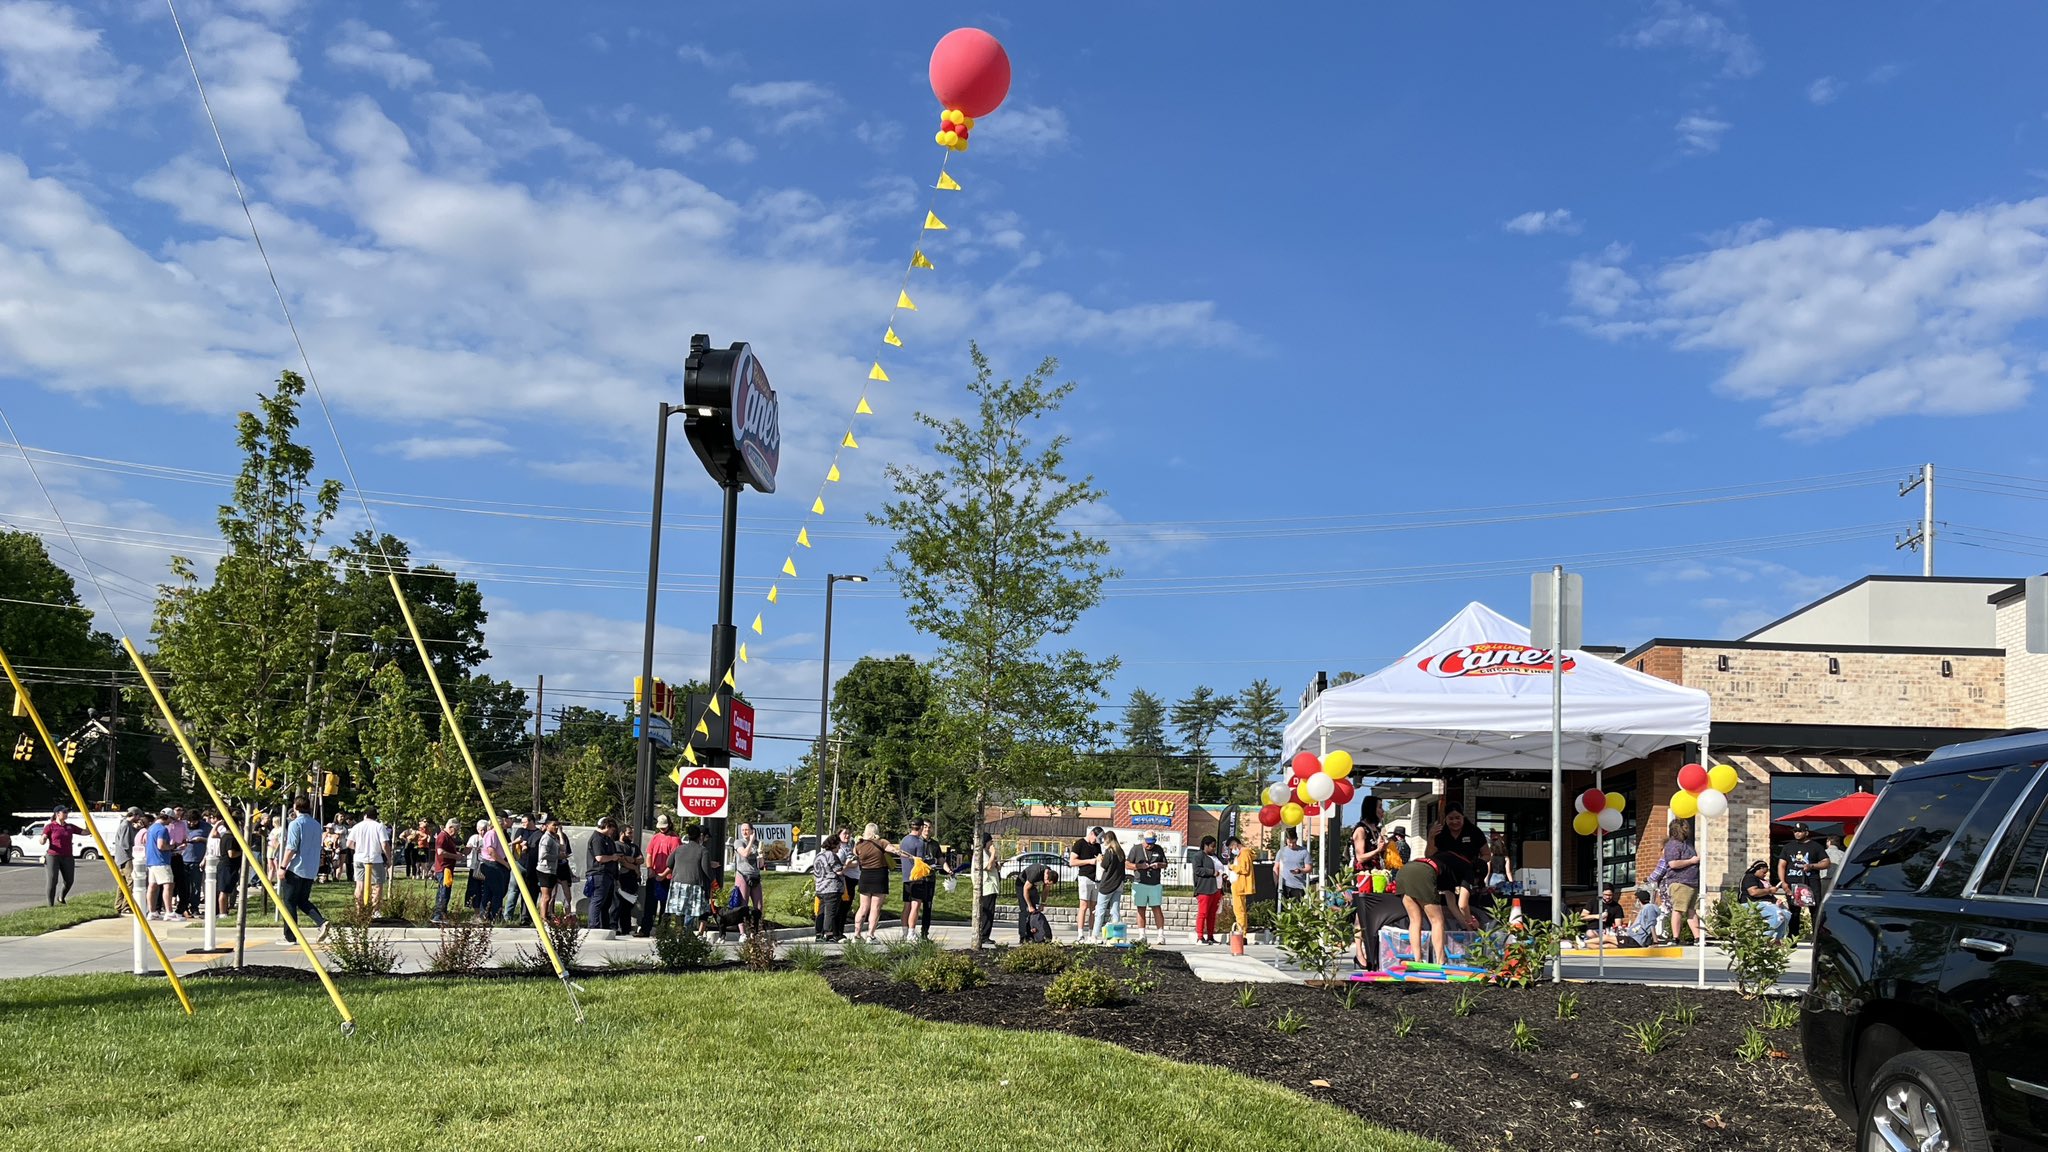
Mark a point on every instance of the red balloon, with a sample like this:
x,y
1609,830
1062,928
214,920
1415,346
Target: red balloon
x,y
970,71
1270,815
1594,799
1306,765
1693,779
1342,796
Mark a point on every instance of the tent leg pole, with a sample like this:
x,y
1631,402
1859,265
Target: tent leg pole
x,y
1557,766
1700,937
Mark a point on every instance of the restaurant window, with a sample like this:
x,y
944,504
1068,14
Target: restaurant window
x,y
1790,793
1618,848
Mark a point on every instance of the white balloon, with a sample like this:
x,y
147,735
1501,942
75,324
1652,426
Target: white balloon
x,y
1279,794
1610,820
1713,804
1579,802
1321,787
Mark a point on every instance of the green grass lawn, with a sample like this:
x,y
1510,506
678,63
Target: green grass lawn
x,y
714,1060
330,898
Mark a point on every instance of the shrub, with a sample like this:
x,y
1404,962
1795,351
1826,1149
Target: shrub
x,y
757,951
1247,997
1524,1038
1650,1036
947,972
1042,959
1568,1004
796,902
408,902
1684,1015
805,957
864,957
1259,915
465,943
1082,987
1290,1022
1514,953
1314,932
565,932
1754,1047
357,949
1756,958
906,956
678,949
1781,1014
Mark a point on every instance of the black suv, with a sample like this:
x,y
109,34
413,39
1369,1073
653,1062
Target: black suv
x,y
1927,1022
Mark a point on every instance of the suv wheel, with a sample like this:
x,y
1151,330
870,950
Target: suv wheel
x,y
1923,1102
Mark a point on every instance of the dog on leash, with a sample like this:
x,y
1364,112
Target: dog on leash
x,y
724,920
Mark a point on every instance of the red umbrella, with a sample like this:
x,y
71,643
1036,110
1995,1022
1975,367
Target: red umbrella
x,y
1845,810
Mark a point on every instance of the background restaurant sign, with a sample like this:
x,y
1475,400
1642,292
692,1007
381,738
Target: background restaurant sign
x,y
1136,808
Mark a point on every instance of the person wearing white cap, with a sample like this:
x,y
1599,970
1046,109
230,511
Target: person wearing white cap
x,y
1148,893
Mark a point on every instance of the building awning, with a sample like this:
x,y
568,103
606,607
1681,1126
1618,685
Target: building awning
x,y
1761,768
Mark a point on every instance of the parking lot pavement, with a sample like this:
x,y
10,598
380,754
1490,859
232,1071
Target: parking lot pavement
x,y
22,885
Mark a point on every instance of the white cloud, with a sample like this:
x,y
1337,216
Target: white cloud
x,y
1019,314
880,135
1538,222
793,103
705,58
738,151
1670,24
1825,90
365,49
49,57
1838,328
447,447
677,142
1023,130
1700,132
250,72
1672,436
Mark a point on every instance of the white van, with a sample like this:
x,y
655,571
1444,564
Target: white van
x,y
28,846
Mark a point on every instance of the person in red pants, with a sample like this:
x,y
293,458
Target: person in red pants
x,y
1208,891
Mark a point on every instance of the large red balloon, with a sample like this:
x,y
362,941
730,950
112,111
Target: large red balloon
x,y
1693,779
1270,815
1305,765
970,71
1345,791
1594,799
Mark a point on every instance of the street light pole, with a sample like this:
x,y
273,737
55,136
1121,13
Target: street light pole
x,y
825,704
642,816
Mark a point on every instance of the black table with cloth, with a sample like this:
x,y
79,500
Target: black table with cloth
x,y
1377,910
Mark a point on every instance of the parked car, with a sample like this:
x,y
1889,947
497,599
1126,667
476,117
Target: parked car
x,y
26,846
1926,1025
1022,860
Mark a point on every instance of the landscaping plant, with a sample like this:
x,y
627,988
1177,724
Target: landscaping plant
x,y
565,932
1524,1038
1042,959
355,948
678,949
805,957
1754,1046
1247,997
1290,1022
1468,999
1650,1036
864,957
465,943
1682,1014
1781,1014
1568,1004
947,972
757,951
1514,952
1404,1022
1756,957
1314,933
1082,987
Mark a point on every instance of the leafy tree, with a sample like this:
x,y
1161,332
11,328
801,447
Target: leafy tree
x,y
881,712
1195,720
1258,723
1145,750
590,786
989,566
395,747
43,625
238,650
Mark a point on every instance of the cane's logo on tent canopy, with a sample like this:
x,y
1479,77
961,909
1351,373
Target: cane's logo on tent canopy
x,y
1490,660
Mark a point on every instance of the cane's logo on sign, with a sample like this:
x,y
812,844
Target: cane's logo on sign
x,y
756,421
1490,660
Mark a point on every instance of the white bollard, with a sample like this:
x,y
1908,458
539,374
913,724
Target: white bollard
x,y
206,943
140,894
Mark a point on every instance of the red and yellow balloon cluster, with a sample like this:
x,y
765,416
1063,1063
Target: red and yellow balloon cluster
x,y
1703,792
1310,784
970,75
1598,811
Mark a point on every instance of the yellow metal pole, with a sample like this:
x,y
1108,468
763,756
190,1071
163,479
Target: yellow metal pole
x,y
106,854
483,794
348,1020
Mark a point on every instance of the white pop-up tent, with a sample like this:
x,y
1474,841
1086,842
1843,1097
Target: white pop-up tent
x,y
1476,695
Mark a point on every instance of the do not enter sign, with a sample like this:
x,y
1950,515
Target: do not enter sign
x,y
704,793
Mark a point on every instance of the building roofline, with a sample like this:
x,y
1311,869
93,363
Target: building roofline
x,y
1853,739
2015,591
1877,578
1765,646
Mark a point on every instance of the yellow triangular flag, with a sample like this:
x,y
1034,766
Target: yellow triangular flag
x,y
850,442
728,680
947,183
933,224
715,709
818,505
789,566
702,730
773,595
833,475
743,653
891,338
757,624
676,777
918,259
903,301
864,410
803,537
876,373
689,756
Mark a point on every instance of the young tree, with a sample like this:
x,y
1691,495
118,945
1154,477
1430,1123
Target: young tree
x,y
1258,723
1145,750
990,566
1195,720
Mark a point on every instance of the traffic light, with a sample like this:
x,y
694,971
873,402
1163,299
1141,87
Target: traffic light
x,y
20,706
664,702
25,747
332,785
70,751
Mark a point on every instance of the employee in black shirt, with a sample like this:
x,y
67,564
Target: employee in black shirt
x,y
1802,868
1082,856
1034,884
1456,849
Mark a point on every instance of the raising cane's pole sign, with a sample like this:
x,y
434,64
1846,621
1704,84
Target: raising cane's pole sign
x,y
1491,660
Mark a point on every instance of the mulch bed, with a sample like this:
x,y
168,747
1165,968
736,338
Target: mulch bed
x,y
1586,1086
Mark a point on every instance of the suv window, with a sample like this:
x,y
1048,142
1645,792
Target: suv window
x,y
2016,867
1923,816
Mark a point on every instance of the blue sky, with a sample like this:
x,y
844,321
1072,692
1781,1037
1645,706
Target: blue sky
x,y
1487,283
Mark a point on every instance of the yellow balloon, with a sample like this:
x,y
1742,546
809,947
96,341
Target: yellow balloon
x,y
1617,801
1301,790
1684,805
1292,814
1337,765
1586,823
939,137
1723,777
966,123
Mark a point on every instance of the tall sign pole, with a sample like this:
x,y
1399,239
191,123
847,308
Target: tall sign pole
x,y
642,817
1555,607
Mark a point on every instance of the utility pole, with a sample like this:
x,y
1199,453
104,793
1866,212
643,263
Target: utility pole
x,y
540,687
1923,540
113,740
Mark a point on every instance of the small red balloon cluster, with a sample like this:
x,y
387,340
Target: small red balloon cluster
x,y
953,128
970,75
1311,783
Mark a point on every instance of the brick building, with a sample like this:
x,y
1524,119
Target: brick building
x,y
2026,673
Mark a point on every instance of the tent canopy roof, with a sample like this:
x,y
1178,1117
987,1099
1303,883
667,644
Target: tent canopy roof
x,y
1476,695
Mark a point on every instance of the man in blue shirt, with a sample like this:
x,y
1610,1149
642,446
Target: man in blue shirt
x,y
156,857
301,865
917,894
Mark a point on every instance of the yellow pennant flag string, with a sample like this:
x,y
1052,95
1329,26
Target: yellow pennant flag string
x,y
832,477
918,260
743,654
24,704
932,223
713,706
891,338
947,183
803,535
903,301
850,442
789,566
757,624
702,728
876,373
728,679
773,594
863,409
689,756
818,506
